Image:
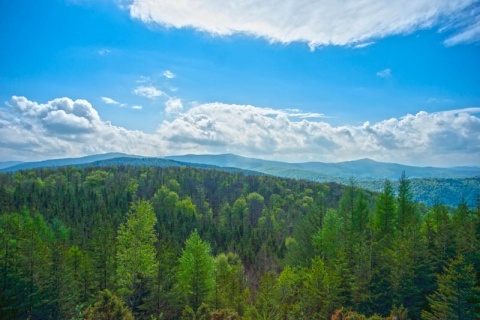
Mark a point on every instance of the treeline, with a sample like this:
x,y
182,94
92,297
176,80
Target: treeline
x,y
168,243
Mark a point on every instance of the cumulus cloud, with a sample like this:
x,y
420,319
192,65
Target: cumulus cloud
x,y
168,74
173,106
137,107
415,139
149,92
65,127
317,23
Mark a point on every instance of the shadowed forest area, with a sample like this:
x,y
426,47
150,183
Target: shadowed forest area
x,y
123,242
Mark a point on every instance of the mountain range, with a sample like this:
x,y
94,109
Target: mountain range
x,y
429,184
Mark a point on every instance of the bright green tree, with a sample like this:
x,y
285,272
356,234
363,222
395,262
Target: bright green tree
x,y
136,253
196,272
229,282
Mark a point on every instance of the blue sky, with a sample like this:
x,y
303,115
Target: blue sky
x,y
300,81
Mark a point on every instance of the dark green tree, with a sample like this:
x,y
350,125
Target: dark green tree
x,y
457,296
385,213
406,208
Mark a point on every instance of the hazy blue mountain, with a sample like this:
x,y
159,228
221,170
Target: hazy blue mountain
x,y
163,163
6,164
364,169
64,162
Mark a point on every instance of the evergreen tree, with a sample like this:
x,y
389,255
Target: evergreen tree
x,y
385,213
196,272
136,253
322,290
383,233
34,258
229,282
457,296
266,301
406,208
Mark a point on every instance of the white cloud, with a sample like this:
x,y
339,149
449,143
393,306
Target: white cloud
x,y
363,45
386,73
109,100
469,34
330,22
424,138
168,74
64,127
137,107
143,79
149,92
173,106
103,52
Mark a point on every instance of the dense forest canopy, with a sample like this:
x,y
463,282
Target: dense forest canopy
x,y
169,243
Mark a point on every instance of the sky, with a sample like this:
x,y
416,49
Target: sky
x,y
292,80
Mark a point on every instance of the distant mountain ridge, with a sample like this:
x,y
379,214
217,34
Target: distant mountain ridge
x,y
117,159
6,164
364,169
428,183
64,161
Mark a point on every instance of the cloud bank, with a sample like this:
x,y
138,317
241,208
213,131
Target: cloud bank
x,y
64,127
330,22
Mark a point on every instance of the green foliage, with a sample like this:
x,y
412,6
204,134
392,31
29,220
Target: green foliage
x,y
107,307
266,301
285,249
230,284
328,240
196,272
406,208
136,253
322,289
457,296
385,213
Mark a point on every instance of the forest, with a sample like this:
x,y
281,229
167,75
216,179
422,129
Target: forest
x,y
125,242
